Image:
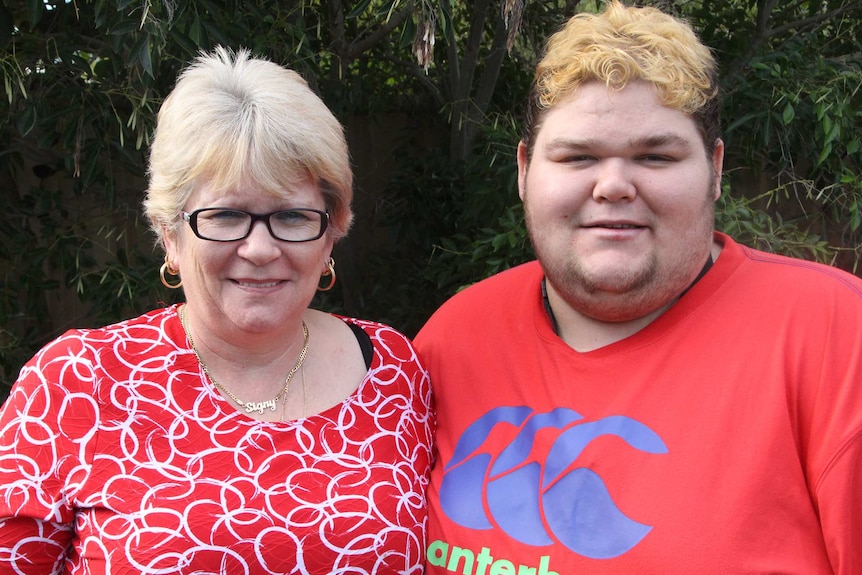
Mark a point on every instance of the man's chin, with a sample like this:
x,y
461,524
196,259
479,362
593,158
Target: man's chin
x,y
621,280
621,312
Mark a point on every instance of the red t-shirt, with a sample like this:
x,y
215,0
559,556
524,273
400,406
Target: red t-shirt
x,y
724,437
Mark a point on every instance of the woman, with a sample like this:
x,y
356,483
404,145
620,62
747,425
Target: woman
x,y
241,431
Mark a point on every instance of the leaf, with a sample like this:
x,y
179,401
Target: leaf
x,y
197,33
788,114
147,57
819,110
124,27
99,13
827,126
185,43
834,132
140,53
7,26
741,121
90,165
34,9
27,120
359,9
824,153
216,33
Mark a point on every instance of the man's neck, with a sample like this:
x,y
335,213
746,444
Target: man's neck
x,y
585,333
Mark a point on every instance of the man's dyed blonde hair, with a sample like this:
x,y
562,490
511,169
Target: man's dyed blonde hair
x,y
621,45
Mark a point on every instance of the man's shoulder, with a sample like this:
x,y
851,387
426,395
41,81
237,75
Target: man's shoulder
x,y
517,275
789,275
503,285
486,299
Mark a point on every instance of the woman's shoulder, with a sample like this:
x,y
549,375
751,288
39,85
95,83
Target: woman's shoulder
x,y
156,319
80,359
372,327
376,330
129,337
380,339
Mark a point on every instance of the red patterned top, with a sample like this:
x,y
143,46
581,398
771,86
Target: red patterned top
x,y
117,456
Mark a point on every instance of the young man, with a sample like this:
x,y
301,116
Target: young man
x,y
649,396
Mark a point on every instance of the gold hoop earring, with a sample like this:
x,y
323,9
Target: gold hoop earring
x,y
168,269
328,272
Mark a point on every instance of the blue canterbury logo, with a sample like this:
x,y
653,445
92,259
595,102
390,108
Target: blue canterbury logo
x,y
518,490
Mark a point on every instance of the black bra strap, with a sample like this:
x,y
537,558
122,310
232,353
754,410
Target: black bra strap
x,y
364,344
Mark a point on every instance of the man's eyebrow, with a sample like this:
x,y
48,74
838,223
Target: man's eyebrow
x,y
650,141
658,140
563,142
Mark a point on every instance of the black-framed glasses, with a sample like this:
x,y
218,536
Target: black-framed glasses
x,y
230,225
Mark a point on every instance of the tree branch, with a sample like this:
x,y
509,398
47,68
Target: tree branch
x,y
451,47
764,32
811,22
358,47
487,83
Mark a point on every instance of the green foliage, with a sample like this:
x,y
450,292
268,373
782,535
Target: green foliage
x,y
793,88
47,251
451,224
492,235
802,131
741,218
422,203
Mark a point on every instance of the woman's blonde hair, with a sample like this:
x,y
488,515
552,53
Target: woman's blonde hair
x,y
234,119
625,44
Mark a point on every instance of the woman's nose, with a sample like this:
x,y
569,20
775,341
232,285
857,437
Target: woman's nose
x,y
260,246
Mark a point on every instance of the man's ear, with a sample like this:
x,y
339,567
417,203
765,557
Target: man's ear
x,y
718,166
523,164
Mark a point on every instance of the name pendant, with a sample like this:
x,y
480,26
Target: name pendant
x,y
259,406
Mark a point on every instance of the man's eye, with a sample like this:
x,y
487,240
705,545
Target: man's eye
x,y
658,158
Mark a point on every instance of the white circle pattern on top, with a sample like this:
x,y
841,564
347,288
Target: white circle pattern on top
x,y
126,453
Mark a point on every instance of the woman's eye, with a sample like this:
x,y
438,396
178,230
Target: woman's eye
x,y
225,215
291,217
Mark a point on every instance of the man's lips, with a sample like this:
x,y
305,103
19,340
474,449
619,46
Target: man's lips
x,y
613,226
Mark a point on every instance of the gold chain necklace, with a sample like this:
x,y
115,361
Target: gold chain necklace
x,y
248,406
304,400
